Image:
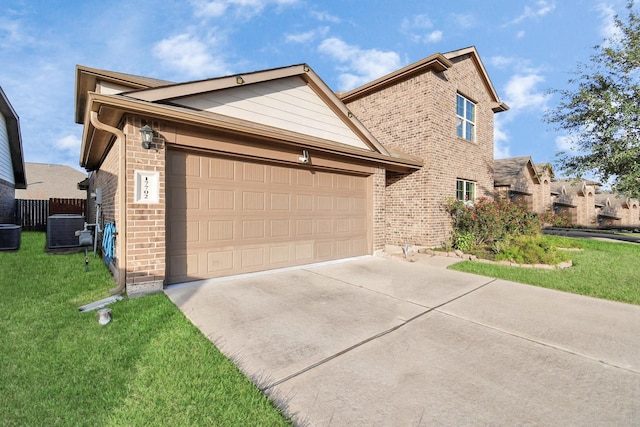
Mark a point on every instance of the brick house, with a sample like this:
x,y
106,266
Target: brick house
x,y
616,210
577,199
12,175
272,169
519,179
439,109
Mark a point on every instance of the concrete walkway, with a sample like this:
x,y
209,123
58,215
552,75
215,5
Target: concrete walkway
x,y
385,342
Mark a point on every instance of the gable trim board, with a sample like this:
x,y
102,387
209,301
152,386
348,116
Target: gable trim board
x,y
12,125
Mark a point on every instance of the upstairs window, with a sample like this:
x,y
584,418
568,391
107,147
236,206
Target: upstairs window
x,y
465,118
465,191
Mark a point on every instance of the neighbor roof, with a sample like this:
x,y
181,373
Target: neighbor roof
x,y
506,171
15,140
50,180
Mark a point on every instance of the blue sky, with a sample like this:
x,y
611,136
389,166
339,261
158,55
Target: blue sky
x,y
527,47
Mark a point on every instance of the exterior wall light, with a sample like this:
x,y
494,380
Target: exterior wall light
x,y
147,136
239,80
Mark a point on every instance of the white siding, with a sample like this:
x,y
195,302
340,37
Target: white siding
x,y
6,166
288,104
109,88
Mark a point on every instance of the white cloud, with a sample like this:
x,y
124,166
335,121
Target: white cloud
x,y
433,37
500,139
418,29
307,36
358,66
607,28
326,17
69,144
520,34
246,8
186,53
541,8
522,92
464,20
501,61
566,143
12,35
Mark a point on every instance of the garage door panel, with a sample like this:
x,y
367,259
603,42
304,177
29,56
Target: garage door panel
x,y
280,228
280,202
219,261
227,216
222,169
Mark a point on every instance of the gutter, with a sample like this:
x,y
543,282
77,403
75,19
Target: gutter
x,y
122,211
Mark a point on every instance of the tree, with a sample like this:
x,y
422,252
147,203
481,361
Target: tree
x,y
601,111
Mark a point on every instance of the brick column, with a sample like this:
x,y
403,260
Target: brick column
x,y
145,242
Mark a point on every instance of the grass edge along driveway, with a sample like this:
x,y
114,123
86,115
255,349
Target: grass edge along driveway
x,y
602,269
149,366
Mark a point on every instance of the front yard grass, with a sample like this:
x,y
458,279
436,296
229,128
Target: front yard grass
x,y
603,269
149,366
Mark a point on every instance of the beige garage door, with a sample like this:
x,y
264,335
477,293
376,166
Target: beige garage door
x,y
227,216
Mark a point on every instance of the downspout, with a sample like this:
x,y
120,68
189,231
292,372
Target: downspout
x,y
122,211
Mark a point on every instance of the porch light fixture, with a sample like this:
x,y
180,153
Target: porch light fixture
x,y
239,80
147,136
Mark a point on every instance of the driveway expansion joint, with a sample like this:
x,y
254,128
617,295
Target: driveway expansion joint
x,y
372,338
542,343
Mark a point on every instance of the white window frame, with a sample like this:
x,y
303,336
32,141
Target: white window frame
x,y
465,118
465,191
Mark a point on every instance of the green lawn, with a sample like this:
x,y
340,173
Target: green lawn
x,y
604,269
149,366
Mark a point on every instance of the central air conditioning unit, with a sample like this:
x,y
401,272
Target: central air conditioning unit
x,y
61,230
10,237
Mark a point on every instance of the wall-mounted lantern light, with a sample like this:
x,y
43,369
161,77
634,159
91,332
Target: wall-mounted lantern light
x,y
147,136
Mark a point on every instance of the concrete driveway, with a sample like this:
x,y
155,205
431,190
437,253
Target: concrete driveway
x,y
383,342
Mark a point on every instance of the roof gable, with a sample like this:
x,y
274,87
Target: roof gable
x,y
287,103
88,79
507,171
472,53
238,105
291,98
438,63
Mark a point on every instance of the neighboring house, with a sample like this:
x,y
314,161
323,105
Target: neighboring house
x,y
45,181
271,169
440,110
576,199
12,175
519,179
616,210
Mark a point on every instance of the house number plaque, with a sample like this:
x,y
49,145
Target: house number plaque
x,y
147,187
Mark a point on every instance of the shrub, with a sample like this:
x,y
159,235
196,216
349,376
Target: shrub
x,y
503,230
532,250
488,221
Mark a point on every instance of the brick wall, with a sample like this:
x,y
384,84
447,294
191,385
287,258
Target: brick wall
x,y
146,250
379,225
417,116
7,202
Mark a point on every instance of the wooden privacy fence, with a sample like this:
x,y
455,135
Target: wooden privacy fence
x,y
32,214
